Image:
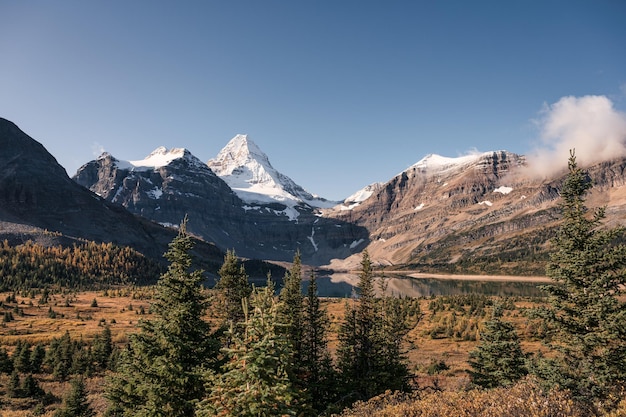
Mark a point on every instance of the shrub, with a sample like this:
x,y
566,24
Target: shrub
x,y
525,398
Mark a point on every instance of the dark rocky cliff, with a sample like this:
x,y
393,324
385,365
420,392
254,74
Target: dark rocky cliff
x,y
485,215
39,202
186,186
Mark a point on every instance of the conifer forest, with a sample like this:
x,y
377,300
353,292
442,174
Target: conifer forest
x,y
84,333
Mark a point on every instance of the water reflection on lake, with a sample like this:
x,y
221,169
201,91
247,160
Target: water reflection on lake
x,y
343,285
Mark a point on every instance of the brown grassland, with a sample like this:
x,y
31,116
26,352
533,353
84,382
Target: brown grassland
x,y
119,309
436,348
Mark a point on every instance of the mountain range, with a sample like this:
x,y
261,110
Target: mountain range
x,y
237,201
481,213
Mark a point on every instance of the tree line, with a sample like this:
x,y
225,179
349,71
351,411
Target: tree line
x,y
267,354
270,355
86,266
63,359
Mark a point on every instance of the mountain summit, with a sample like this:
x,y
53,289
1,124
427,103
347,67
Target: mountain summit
x,y
276,219
249,173
39,202
478,213
158,158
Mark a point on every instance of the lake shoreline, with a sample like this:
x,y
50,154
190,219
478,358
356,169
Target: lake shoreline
x,y
468,277
422,284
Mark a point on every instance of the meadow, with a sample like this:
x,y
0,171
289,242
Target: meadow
x,y
436,348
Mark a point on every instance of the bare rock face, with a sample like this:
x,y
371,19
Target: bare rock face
x,y
39,202
482,209
166,194
168,185
480,213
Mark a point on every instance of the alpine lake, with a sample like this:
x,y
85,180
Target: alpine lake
x,y
344,285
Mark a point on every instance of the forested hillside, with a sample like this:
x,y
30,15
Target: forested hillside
x,y
243,350
86,266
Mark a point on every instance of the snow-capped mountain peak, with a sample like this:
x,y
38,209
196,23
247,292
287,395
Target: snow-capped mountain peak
x,y
249,173
434,164
361,195
438,162
240,151
158,158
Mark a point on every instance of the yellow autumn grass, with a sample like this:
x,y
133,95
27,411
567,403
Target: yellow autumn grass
x,y
119,310
77,316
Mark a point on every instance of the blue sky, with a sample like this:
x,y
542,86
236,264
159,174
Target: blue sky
x,y
338,93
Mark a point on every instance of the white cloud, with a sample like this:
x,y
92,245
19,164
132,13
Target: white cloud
x,y
97,149
589,124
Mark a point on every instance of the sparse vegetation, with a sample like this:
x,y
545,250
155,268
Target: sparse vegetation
x,y
434,364
526,398
524,254
586,311
296,355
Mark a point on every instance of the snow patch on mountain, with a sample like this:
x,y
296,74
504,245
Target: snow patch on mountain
x,y
360,196
356,243
249,173
161,156
291,213
441,163
436,163
503,190
117,194
313,240
158,158
155,193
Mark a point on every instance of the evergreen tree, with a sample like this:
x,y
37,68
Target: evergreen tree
x,y
14,387
102,348
21,357
76,403
290,311
586,315
6,364
356,353
161,371
232,287
369,345
59,356
30,387
255,379
398,317
82,363
318,374
36,358
498,360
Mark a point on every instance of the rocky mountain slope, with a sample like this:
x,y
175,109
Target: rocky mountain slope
x,y
39,202
483,213
262,214
249,173
480,213
164,187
